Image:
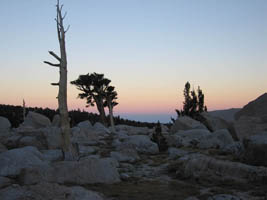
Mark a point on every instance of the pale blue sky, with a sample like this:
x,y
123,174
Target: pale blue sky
x,y
148,48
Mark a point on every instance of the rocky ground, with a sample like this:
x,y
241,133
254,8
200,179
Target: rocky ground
x,y
202,161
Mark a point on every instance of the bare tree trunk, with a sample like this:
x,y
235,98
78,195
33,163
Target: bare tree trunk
x,y
101,110
111,117
67,147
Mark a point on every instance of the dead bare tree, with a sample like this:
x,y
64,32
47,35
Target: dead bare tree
x,y
69,153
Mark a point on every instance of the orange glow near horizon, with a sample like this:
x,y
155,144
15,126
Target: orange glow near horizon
x,y
136,104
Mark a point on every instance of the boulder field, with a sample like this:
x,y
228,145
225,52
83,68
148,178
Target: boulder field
x,y
203,161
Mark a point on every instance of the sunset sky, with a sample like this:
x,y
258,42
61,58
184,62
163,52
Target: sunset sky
x,y
148,48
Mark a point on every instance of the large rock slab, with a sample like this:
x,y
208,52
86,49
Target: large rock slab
x,y
85,125
255,108
218,139
247,126
44,191
201,139
205,168
186,123
13,161
252,118
36,120
141,143
256,149
85,171
227,115
213,123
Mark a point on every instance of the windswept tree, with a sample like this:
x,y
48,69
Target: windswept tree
x,y
193,103
187,99
97,91
69,153
110,102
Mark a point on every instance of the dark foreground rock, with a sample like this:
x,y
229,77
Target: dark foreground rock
x,y
44,191
86,171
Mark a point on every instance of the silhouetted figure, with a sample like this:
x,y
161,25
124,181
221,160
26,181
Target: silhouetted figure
x,y
158,138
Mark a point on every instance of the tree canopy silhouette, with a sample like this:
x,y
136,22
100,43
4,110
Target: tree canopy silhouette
x,y
193,103
97,91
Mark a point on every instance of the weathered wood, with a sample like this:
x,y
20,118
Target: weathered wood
x,y
69,153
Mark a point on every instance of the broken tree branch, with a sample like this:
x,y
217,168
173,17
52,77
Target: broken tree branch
x,y
52,64
55,84
67,29
55,55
